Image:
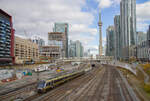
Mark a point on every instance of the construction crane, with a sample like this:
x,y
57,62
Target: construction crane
x,y
25,33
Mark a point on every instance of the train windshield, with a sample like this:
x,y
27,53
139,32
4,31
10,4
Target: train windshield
x,y
41,84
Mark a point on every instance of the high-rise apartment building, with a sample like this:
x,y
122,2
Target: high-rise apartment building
x,y
72,49
79,49
76,49
110,41
6,38
117,37
64,29
128,25
39,41
148,42
148,36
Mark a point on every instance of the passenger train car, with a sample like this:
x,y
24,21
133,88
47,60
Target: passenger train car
x,y
44,85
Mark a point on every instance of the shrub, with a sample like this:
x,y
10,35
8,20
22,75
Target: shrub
x,y
146,68
147,88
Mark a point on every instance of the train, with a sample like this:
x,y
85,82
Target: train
x,y
44,85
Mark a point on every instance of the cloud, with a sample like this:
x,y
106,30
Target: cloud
x,y
143,16
37,17
142,26
104,41
141,8
85,39
80,29
107,3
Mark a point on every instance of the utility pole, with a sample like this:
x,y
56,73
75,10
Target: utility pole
x,y
37,74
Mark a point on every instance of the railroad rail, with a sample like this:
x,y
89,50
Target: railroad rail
x,y
12,94
99,84
64,90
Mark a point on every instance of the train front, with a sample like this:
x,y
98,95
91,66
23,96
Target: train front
x,y
41,87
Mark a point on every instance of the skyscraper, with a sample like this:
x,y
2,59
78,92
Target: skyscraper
x,y
64,28
110,41
39,41
128,25
148,37
100,35
117,37
72,49
76,49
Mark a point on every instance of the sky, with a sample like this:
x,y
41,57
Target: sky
x,y
37,17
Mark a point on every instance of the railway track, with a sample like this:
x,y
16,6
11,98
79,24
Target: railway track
x,y
115,91
78,86
86,93
63,91
118,88
12,94
100,84
105,86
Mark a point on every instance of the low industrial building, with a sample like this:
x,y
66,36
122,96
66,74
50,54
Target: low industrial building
x,y
25,50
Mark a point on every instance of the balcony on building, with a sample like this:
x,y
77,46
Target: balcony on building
x,y
2,31
1,21
7,36
8,30
1,28
8,40
1,48
7,49
3,38
8,43
2,52
7,55
1,55
2,24
1,34
8,24
8,33
2,45
8,46
1,41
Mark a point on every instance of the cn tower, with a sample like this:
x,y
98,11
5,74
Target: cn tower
x,y
100,35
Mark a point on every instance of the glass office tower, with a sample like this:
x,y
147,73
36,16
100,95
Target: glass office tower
x,y
128,25
64,28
